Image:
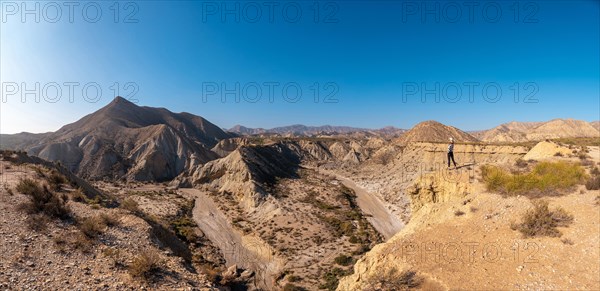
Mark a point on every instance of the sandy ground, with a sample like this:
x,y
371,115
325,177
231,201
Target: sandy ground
x,y
245,251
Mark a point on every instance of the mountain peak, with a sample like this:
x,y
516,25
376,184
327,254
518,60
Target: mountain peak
x,y
433,131
120,101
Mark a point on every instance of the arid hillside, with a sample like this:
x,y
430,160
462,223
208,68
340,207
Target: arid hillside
x,y
476,233
536,131
143,197
54,233
126,141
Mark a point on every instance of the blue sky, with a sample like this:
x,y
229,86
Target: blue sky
x,y
374,59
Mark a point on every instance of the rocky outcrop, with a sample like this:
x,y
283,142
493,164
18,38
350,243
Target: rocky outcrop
x,y
246,172
227,146
428,195
437,187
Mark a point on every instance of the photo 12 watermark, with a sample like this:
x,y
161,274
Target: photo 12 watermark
x,y
69,11
270,11
72,91
472,12
270,91
469,91
461,252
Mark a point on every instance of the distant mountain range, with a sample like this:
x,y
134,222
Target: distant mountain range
x,y
303,130
123,140
528,131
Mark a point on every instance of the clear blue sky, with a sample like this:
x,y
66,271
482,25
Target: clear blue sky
x,y
369,54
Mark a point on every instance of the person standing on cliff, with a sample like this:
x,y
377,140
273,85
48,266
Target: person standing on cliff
x,y
451,153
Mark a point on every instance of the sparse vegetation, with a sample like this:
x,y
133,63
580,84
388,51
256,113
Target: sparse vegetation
x,y
37,222
116,255
145,264
56,180
130,205
343,260
593,183
92,227
580,141
394,280
541,221
544,178
183,223
42,200
459,213
332,278
292,287
78,196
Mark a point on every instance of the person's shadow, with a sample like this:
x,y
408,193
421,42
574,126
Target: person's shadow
x,y
465,165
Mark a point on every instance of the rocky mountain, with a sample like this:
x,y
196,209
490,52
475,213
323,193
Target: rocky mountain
x,y
535,131
296,129
123,140
433,131
239,129
596,124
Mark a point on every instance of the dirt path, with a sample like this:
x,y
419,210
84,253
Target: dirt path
x,y
245,251
378,215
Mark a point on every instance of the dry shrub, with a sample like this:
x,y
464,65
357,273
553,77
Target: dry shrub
x,y
92,227
541,221
78,196
110,220
42,200
145,264
593,183
81,242
37,222
130,205
394,280
55,180
115,255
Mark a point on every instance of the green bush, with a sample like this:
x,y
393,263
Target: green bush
x,y
184,227
545,177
